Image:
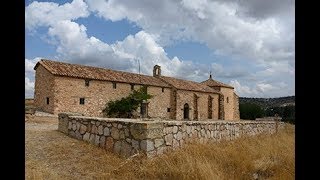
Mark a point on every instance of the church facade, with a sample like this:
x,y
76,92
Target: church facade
x,y
64,87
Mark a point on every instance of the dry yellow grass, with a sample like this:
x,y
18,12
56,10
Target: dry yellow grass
x,y
52,155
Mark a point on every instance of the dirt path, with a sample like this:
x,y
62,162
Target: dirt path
x,y
50,154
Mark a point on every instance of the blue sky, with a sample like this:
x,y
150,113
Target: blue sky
x,y
249,45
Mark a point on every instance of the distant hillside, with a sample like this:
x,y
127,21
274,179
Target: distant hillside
x,y
269,102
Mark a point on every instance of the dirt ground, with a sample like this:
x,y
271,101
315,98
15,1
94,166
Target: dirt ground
x,y
50,154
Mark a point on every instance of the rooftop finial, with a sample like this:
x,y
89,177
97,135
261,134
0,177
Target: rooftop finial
x,y
156,71
210,75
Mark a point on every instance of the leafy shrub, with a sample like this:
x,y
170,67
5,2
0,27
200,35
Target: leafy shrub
x,y
125,107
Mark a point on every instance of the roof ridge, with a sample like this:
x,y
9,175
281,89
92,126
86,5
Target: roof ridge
x,y
98,73
88,66
182,79
218,82
187,84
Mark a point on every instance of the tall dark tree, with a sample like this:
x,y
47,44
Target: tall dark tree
x,y
250,111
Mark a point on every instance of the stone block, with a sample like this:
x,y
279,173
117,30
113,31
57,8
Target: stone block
x,y
188,129
97,140
147,145
102,142
121,134
106,131
138,131
94,129
78,135
158,142
100,130
86,136
135,144
98,123
83,129
92,138
203,132
178,136
175,129
115,133
168,138
74,126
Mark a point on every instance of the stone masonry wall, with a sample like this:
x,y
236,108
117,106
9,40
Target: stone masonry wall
x,y
236,111
129,136
228,104
184,97
68,92
159,103
44,87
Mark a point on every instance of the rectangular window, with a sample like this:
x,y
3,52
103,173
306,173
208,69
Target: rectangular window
x,y
47,100
227,99
168,109
86,82
114,85
162,89
81,100
132,86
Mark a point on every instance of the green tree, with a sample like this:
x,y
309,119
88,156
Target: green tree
x,y
124,107
250,111
287,113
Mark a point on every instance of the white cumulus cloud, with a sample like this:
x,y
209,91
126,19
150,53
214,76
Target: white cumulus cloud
x,y
251,31
48,13
29,87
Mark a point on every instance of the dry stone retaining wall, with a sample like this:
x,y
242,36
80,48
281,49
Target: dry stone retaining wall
x,y
129,136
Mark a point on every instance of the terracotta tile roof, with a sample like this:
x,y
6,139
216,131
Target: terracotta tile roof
x,y
81,71
188,85
211,82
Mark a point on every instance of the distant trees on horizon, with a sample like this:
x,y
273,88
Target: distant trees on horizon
x,y
251,111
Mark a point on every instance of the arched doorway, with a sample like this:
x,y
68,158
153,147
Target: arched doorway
x,y
186,111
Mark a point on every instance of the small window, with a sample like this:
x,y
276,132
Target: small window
x,y
168,109
132,86
227,99
114,85
47,100
162,89
86,82
81,100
